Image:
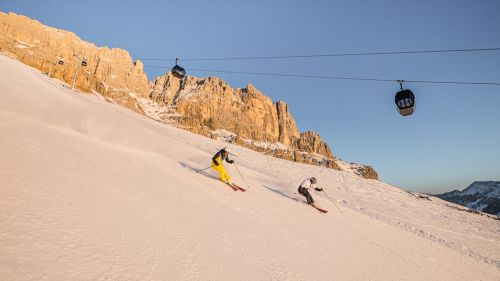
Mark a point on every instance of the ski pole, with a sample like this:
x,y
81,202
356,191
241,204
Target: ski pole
x,y
241,175
203,169
331,201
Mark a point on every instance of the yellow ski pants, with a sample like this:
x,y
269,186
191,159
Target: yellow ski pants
x,y
224,176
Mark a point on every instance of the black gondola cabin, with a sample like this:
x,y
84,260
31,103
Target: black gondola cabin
x,y
178,71
405,101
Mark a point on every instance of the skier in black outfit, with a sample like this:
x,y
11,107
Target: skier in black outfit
x,y
304,189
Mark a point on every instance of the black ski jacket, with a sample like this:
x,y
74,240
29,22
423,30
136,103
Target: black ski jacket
x,y
219,158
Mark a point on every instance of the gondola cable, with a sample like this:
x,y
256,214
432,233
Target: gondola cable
x,y
325,55
334,77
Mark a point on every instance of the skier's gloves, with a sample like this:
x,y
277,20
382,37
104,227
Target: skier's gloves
x,y
230,161
318,189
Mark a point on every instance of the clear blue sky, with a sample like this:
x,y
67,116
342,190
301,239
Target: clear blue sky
x,y
452,139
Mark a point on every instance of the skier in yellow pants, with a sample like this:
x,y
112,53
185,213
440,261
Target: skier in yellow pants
x,y
217,165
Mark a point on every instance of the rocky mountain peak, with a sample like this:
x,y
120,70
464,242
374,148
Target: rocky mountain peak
x,y
311,142
286,124
251,90
489,188
483,196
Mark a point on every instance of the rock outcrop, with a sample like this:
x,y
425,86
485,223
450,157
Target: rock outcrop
x,y
286,124
109,72
311,142
366,172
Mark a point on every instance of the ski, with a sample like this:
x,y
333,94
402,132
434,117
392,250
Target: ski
x,y
316,207
239,187
319,209
231,186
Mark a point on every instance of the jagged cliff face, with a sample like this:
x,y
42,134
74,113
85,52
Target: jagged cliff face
x,y
311,142
110,72
211,102
206,106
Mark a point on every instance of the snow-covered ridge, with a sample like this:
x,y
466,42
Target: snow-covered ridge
x,y
93,191
483,196
487,188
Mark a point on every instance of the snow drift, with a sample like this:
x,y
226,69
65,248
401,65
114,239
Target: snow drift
x,y
92,191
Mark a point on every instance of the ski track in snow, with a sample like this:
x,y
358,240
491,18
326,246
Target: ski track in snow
x,y
92,191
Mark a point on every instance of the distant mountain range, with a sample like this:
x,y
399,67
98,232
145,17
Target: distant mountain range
x,y
483,196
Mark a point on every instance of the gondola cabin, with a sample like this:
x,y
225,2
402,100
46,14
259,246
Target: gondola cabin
x,y
178,71
405,101
60,62
84,62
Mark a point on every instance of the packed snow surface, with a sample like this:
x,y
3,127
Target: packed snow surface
x,y
93,191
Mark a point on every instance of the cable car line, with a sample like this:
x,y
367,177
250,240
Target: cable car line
x,y
345,54
323,55
181,72
336,77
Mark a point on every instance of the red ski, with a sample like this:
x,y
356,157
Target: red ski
x,y
239,187
319,209
316,207
231,186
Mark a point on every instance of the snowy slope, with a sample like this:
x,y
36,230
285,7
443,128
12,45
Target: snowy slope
x,y
92,191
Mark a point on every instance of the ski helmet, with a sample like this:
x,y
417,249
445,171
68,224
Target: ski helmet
x,y
227,149
313,180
